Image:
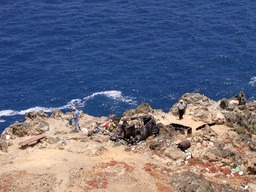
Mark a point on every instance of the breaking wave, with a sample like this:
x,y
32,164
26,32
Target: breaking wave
x,y
114,95
253,81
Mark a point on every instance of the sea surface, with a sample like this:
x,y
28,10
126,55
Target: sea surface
x,y
108,56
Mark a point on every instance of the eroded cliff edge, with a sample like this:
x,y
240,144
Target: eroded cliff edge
x,y
222,145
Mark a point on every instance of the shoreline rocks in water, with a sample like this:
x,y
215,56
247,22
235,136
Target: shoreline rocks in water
x,y
221,156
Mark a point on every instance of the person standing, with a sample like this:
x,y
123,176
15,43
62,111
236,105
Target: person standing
x,y
76,117
181,108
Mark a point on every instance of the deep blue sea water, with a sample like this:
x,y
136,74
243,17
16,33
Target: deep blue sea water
x,y
109,56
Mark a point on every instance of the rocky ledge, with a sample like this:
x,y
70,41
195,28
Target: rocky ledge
x,y
221,157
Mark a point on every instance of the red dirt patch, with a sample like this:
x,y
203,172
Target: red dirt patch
x,y
128,168
104,171
163,188
156,173
97,183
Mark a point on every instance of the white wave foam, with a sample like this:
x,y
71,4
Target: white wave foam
x,y
2,121
115,95
23,112
253,81
7,113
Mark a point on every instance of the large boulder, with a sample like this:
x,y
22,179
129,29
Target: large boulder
x,y
41,127
19,129
224,103
143,108
241,98
3,145
243,118
36,115
57,114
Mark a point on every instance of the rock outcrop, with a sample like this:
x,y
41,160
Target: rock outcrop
x,y
222,145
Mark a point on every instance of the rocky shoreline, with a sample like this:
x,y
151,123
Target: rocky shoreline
x,y
223,145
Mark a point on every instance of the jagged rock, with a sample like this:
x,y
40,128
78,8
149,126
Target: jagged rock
x,y
3,145
231,118
154,145
143,108
245,119
201,108
224,103
209,156
240,140
251,169
205,134
251,106
252,145
234,111
20,129
232,104
218,153
36,115
42,127
195,98
57,114
166,131
53,140
226,148
241,98
190,182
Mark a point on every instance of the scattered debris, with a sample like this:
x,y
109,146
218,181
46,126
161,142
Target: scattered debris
x,y
135,129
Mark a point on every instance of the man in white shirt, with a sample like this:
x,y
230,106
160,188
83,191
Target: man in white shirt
x,y
181,108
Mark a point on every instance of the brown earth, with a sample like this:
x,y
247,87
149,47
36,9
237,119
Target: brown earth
x,y
78,162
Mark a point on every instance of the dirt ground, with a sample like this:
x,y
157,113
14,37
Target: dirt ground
x,y
112,168
78,163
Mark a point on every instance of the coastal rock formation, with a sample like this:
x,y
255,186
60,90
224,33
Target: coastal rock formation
x,y
143,108
221,156
237,112
36,115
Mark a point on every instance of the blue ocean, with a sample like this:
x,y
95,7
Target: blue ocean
x,y
110,56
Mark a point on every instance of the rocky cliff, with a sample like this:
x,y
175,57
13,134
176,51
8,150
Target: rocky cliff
x,y
221,156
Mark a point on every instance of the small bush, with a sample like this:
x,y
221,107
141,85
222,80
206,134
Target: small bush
x,y
240,130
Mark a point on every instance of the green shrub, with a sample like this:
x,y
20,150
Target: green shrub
x,y
240,130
